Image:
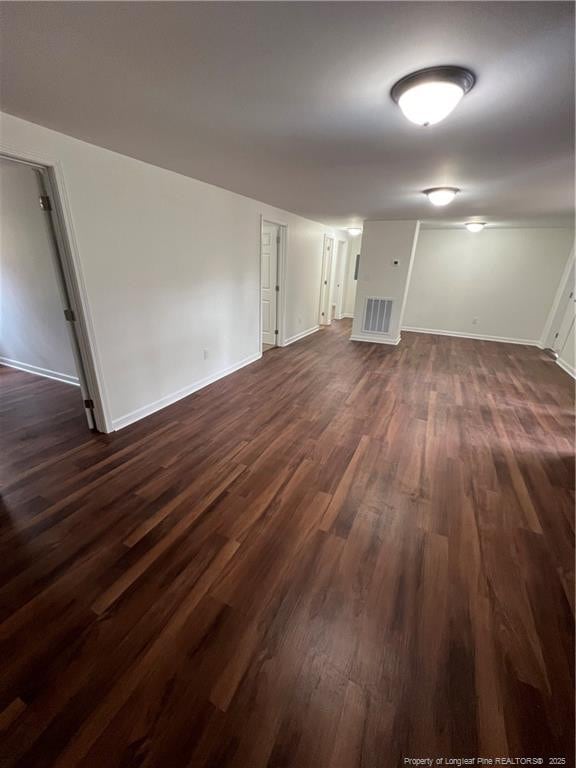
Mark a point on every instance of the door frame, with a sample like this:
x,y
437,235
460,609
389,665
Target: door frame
x,y
326,280
72,288
280,281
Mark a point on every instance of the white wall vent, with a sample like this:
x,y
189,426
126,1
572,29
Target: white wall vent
x,y
377,315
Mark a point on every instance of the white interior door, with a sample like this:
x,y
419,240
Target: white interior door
x,y
325,288
269,280
339,270
566,324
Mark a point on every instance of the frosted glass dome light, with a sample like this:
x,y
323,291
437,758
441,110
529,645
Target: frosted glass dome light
x,y
428,96
475,226
354,231
429,103
441,195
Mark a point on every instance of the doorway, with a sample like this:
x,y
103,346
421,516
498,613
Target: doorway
x,y
272,250
43,322
326,282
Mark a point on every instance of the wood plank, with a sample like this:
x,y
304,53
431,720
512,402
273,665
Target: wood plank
x,y
340,555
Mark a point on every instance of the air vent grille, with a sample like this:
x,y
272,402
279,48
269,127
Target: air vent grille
x,y
377,315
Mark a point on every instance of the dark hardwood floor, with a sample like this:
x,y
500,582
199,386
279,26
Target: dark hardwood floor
x,y
340,556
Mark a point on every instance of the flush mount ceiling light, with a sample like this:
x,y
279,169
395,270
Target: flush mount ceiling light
x,y
428,96
441,195
354,231
475,226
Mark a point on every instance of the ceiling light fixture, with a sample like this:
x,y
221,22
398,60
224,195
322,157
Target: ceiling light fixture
x,y
428,96
441,195
354,231
475,226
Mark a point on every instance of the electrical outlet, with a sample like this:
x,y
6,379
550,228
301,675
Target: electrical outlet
x,y
474,321
205,354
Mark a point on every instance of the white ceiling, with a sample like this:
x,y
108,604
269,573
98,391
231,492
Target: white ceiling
x,y
288,102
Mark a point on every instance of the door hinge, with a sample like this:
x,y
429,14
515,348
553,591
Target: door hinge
x,y
277,288
278,239
325,282
89,403
45,203
556,335
276,332
69,315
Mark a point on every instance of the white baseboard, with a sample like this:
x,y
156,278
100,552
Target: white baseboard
x,y
45,372
147,410
477,336
301,335
374,339
348,315
568,368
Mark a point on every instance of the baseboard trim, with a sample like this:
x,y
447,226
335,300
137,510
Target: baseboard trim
x,y
163,402
476,336
375,339
347,315
565,367
301,335
45,372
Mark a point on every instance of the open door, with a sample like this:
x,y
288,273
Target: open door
x,y
339,279
44,199
269,288
325,288
69,315
566,325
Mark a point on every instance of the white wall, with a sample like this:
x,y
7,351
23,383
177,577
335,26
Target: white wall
x,y
170,267
304,275
383,244
506,279
33,333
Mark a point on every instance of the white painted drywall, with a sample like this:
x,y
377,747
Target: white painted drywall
x,y
506,279
383,244
305,243
33,333
170,267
